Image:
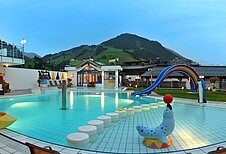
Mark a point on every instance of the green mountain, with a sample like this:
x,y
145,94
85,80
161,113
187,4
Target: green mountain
x,y
141,48
125,47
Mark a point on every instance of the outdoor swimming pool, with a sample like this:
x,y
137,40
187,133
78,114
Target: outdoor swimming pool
x,y
40,117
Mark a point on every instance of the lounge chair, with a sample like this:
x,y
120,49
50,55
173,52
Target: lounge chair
x,y
38,150
60,82
55,82
220,150
51,83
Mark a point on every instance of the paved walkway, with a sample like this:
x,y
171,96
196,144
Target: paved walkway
x,y
8,146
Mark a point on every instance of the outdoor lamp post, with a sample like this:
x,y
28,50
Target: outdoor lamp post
x,y
23,42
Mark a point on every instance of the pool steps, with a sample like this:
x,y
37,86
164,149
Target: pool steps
x,y
129,111
78,139
106,120
122,114
114,116
98,123
90,130
88,133
137,108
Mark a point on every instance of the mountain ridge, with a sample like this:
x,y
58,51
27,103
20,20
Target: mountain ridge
x,y
142,45
31,54
125,47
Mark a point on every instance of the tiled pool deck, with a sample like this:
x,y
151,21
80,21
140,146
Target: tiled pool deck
x,y
122,136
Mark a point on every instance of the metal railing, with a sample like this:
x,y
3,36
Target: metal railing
x,y
219,85
9,50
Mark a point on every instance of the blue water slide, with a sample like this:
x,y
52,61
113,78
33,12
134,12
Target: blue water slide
x,y
155,84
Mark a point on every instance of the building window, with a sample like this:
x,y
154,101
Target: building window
x,y
86,78
98,78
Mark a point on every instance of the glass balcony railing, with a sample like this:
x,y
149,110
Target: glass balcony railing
x,y
14,52
10,53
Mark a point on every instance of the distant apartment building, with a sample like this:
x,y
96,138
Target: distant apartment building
x,y
143,73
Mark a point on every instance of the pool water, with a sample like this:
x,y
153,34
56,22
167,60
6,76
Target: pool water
x,y
40,116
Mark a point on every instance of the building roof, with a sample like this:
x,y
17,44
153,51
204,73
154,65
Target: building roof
x,y
207,71
112,67
84,62
136,67
97,65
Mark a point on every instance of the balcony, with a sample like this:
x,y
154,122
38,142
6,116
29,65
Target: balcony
x,y
10,54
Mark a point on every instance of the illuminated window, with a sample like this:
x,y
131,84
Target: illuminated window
x,y
88,68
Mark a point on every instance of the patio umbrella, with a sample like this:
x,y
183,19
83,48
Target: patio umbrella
x,y
53,76
62,76
57,76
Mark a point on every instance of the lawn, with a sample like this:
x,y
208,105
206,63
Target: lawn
x,y
209,95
